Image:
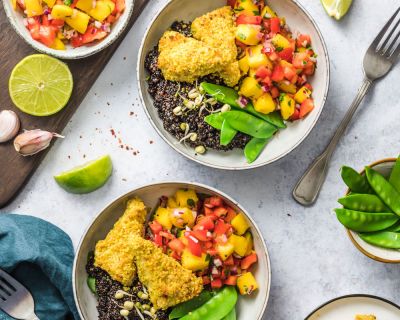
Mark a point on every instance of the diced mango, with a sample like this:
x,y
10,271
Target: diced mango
x,y
186,198
162,215
244,64
181,217
247,283
246,6
287,87
288,106
85,5
250,242
50,3
58,44
248,34
302,94
14,4
265,104
240,224
102,10
225,250
61,12
267,12
280,42
60,35
239,244
194,263
183,238
78,21
257,58
171,202
251,88
33,8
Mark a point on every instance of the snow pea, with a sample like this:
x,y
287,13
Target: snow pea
x,y
394,228
384,239
253,148
227,134
251,125
356,182
395,175
231,315
364,202
366,221
388,194
230,96
184,308
217,307
91,282
215,120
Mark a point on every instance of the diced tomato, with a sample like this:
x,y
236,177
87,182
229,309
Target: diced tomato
x,y
248,261
306,107
158,240
296,115
200,234
263,72
216,283
274,92
300,60
119,5
266,82
246,19
176,245
47,34
93,34
220,211
208,211
286,54
278,73
167,235
45,20
155,227
309,69
57,22
194,247
175,255
206,280
231,281
289,73
229,261
303,40
230,215
275,25
111,19
73,4
34,26
215,201
221,227
208,245
207,222
212,251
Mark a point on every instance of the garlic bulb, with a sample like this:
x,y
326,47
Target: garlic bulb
x,y
9,125
31,142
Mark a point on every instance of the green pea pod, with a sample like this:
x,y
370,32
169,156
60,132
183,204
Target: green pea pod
x,y
253,148
184,308
364,202
230,96
217,307
215,120
384,239
91,282
249,124
394,228
231,315
227,134
366,221
395,175
356,182
388,194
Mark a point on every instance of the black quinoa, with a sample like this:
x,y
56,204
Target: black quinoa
x,y
166,99
108,306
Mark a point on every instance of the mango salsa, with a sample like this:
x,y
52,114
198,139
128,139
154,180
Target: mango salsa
x,y
225,250
240,224
33,8
181,217
186,198
302,94
78,21
251,88
61,11
247,283
162,215
194,263
239,243
265,104
257,58
248,34
287,104
247,7
102,10
280,42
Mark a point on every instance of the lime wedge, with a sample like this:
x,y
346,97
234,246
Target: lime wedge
x,y
40,85
337,8
86,178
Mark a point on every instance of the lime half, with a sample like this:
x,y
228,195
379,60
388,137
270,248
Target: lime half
x,y
40,85
86,178
337,8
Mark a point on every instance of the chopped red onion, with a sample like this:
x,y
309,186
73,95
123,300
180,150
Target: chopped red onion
x,y
265,88
242,101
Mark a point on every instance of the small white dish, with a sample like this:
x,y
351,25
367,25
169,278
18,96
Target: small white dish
x,y
347,307
384,167
16,19
286,140
248,307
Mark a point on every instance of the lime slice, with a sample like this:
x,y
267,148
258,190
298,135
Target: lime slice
x,y
86,178
40,85
337,8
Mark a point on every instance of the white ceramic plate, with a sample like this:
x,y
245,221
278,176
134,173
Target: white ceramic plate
x,y
377,253
286,140
249,307
16,20
347,307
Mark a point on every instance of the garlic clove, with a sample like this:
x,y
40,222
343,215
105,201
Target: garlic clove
x,y
9,125
31,142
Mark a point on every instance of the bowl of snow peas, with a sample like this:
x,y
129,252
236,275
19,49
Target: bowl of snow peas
x,y
371,209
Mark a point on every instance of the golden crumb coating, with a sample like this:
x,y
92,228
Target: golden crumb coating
x,y
171,39
231,74
114,254
361,317
167,281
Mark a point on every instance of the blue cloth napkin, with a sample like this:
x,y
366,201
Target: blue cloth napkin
x,y
40,256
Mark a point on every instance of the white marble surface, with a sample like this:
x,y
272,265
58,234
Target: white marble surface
x,y
312,259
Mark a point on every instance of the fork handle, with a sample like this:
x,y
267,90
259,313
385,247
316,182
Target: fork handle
x,y
307,189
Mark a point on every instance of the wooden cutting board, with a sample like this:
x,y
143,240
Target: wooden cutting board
x,y
15,170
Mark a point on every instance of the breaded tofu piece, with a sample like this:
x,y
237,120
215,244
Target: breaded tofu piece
x,y
114,254
186,59
167,281
231,74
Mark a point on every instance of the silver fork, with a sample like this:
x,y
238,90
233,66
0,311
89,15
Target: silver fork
x,y
379,59
15,299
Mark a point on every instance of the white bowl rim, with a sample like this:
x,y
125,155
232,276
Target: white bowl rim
x,y
189,183
68,54
252,166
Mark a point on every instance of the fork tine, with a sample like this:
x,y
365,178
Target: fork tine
x,y
395,53
382,33
10,281
6,287
388,38
393,44
4,291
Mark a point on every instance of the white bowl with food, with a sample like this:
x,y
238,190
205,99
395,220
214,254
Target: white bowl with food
x,y
69,29
239,98
168,243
